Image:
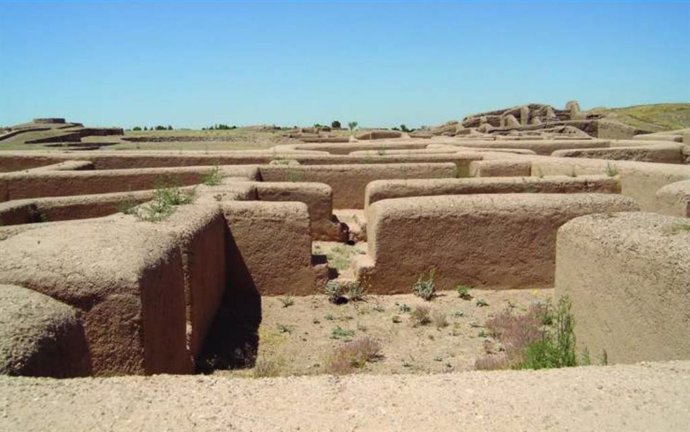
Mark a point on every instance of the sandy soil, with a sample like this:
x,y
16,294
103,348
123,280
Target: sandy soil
x,y
298,339
646,397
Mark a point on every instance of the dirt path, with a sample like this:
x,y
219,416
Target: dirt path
x,y
613,398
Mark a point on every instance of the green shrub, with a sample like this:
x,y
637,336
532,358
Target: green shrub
x,y
355,291
463,292
165,199
341,333
557,347
333,291
425,287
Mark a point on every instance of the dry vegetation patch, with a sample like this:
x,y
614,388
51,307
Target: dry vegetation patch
x,y
380,334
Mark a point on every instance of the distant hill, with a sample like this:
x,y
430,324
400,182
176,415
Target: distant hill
x,y
652,117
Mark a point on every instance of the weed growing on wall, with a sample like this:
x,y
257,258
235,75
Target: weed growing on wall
x,y
611,171
213,177
165,199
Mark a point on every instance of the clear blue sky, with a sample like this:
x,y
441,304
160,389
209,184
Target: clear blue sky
x,y
380,63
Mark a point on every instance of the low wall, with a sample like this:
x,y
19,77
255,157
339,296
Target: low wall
x,y
70,165
628,278
348,182
125,278
674,199
64,183
36,210
500,168
385,189
319,200
540,147
496,241
668,153
639,180
40,336
269,248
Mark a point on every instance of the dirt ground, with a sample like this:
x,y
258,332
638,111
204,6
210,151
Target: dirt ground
x,y
299,338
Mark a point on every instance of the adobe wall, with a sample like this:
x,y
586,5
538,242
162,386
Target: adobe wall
x,y
500,241
63,183
344,149
348,182
35,210
500,168
269,248
40,336
69,165
664,153
639,180
199,231
319,199
540,147
385,189
674,199
628,278
130,292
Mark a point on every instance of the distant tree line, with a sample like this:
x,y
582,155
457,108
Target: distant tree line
x,y
403,128
220,127
158,128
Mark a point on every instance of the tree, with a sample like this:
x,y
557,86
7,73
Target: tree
x,y
352,125
136,128
145,128
335,124
404,128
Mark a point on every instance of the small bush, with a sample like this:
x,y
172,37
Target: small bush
x,y
421,316
268,367
542,338
425,287
439,319
463,292
164,201
284,328
333,291
128,206
355,291
352,125
341,333
482,303
287,301
557,347
353,355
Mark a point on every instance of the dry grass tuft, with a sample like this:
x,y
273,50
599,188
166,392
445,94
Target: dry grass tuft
x,y
421,316
353,355
516,333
